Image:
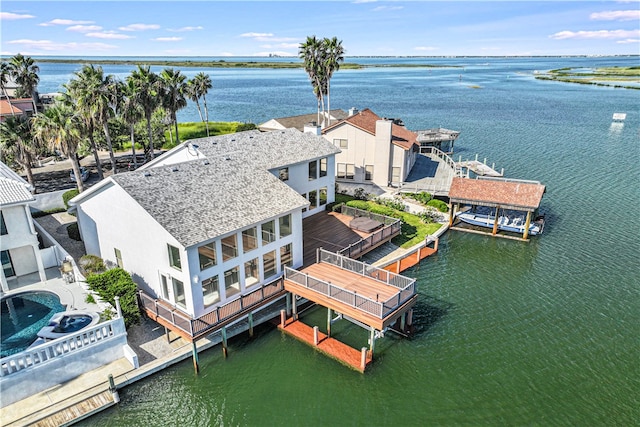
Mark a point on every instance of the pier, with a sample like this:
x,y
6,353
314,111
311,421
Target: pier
x,y
479,168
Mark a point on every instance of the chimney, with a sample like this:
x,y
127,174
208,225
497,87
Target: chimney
x,y
353,111
312,128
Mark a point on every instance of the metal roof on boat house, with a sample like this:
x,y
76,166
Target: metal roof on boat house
x,y
506,193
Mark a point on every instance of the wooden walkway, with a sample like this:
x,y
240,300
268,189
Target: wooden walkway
x,y
78,411
479,168
330,231
333,348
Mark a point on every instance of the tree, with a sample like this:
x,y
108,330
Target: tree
x,y
334,57
173,90
25,73
310,52
59,127
16,142
130,112
147,88
4,79
202,84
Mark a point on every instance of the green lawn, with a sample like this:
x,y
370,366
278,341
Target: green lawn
x,y
193,130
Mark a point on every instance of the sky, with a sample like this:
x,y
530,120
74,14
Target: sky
x,y
366,27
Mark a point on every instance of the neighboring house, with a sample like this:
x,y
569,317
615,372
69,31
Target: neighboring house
x,y
213,218
19,247
16,107
374,150
301,122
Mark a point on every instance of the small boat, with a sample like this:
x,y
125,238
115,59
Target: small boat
x,y
514,224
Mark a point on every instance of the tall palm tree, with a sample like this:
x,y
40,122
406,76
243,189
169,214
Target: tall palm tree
x,y
173,99
146,87
4,79
311,53
130,111
202,83
334,57
191,92
25,73
59,127
16,141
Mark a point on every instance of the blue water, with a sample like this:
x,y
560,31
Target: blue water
x,y
23,315
508,333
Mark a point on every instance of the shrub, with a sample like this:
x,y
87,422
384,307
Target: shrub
x,y
74,232
392,203
422,197
360,194
438,204
91,264
117,282
90,299
68,195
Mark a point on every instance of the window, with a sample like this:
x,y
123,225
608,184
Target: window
x,y
313,170
207,255
395,174
210,291
323,167
351,171
368,172
165,287
342,143
345,170
174,257
251,273
313,199
268,232
232,281
7,265
249,239
3,225
269,264
286,258
283,174
305,196
178,293
285,225
323,196
229,247
118,257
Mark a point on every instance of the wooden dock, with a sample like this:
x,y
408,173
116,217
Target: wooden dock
x,y
78,411
479,168
333,348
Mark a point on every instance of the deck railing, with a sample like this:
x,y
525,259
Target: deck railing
x,y
208,322
391,228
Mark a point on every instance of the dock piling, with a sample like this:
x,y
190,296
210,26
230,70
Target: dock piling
x,y
194,351
251,325
363,358
225,351
315,335
113,389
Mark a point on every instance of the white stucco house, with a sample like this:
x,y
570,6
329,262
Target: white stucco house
x,y
374,150
211,219
19,247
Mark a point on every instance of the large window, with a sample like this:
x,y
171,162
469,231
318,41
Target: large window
x,y
178,293
207,255
268,232
346,170
210,291
323,196
165,287
269,264
249,239
323,167
368,172
351,171
3,226
342,143
232,281
283,174
313,170
395,174
7,265
229,247
285,225
286,257
174,257
251,273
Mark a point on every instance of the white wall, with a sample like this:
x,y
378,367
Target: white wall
x,y
19,228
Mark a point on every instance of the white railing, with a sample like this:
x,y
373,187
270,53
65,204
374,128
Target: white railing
x,y
445,158
62,346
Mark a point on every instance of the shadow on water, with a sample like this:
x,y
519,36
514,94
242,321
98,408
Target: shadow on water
x,y
427,312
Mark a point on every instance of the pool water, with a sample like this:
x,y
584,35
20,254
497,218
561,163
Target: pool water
x,y
23,315
73,323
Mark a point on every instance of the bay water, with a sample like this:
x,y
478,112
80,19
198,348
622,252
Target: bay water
x,y
507,333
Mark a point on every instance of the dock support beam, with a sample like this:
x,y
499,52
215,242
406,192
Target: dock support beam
x,y
288,304
329,318
283,318
410,317
166,334
527,223
194,351
225,351
251,325
363,358
315,335
372,341
295,307
495,222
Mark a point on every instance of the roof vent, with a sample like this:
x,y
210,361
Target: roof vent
x,y
228,158
147,173
175,169
206,162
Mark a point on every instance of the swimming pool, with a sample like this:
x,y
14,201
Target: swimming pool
x,y
23,315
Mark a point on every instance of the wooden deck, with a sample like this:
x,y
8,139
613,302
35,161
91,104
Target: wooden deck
x,y
330,231
79,411
327,345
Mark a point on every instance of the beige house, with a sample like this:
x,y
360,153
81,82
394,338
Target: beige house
x,y
302,122
374,150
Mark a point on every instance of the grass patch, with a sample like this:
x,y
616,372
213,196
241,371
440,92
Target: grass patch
x,y
193,130
39,214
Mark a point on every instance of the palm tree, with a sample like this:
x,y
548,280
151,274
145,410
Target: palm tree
x,y
16,141
173,99
202,83
59,127
310,52
130,111
25,73
146,87
5,72
191,92
334,57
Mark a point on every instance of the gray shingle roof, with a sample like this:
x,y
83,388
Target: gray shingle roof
x,y
202,199
13,188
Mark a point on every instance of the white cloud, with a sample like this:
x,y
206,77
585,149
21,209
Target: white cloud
x,y
268,37
8,16
64,22
364,1
616,15
167,39
48,45
84,28
628,41
600,34
257,35
109,35
387,8
179,30
140,27
425,48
